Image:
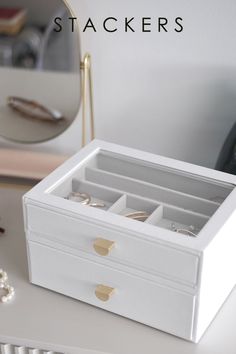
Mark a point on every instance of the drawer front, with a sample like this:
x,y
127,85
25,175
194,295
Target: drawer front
x,y
127,249
141,300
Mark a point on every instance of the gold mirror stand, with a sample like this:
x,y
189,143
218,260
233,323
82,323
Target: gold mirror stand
x,y
36,165
87,87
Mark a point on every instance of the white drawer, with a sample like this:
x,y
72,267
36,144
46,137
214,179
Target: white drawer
x,y
141,300
128,249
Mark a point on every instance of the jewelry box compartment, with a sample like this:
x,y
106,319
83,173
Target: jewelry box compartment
x,y
157,195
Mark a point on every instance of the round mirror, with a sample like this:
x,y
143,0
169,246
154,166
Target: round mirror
x,y
39,70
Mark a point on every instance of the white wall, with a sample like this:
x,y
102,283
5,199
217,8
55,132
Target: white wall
x,y
172,94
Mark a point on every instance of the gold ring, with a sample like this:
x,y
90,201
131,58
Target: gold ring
x,y
82,198
137,215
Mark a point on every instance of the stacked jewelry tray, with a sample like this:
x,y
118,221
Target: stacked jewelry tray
x,y
140,235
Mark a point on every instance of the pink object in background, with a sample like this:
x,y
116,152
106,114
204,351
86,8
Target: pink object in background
x,y
28,164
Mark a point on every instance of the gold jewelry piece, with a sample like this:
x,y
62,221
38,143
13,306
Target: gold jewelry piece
x,y
188,232
97,205
84,199
137,215
33,109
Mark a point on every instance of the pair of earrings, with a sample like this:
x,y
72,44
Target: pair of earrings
x,y
8,289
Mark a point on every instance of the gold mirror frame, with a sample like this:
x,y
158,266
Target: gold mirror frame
x,y
87,84
86,87
40,165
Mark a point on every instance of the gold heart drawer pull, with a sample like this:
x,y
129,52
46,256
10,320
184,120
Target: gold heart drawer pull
x,y
103,246
104,292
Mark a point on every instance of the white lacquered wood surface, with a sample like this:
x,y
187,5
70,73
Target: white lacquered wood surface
x,y
39,317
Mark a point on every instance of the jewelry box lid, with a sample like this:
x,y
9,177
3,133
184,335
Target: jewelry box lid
x,y
183,191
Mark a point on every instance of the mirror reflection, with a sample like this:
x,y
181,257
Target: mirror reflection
x,y
39,70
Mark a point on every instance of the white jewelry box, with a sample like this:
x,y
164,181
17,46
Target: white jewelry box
x,y
172,271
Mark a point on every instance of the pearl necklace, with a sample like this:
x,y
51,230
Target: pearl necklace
x,y
9,290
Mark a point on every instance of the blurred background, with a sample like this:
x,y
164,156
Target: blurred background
x,y
39,70
173,94
24,46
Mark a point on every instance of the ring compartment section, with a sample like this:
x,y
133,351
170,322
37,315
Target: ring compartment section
x,y
97,193
128,205
187,201
172,218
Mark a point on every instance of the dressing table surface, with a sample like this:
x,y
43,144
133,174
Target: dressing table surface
x,y
40,318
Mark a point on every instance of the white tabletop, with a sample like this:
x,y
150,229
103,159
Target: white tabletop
x,y
39,317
